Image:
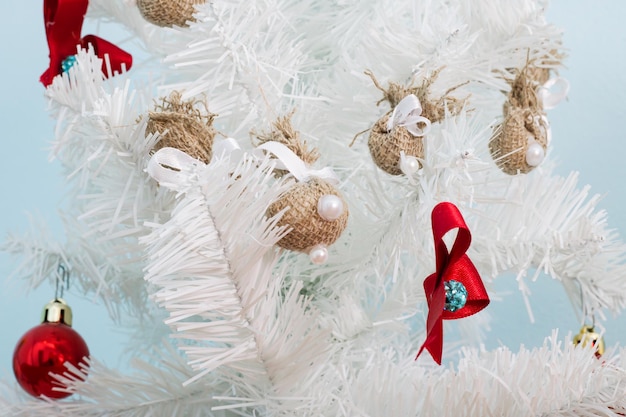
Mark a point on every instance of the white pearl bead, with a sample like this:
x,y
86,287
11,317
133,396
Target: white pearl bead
x,y
534,154
318,254
411,164
330,207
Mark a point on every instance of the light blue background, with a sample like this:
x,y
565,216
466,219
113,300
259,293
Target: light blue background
x,y
588,136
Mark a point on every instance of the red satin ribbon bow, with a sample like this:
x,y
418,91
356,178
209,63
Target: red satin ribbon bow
x,y
64,21
456,266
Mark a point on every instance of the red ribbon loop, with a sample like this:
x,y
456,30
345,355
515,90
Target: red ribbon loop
x,y
64,22
456,266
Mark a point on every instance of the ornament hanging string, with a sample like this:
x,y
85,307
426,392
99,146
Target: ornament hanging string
x,y
450,266
62,281
63,24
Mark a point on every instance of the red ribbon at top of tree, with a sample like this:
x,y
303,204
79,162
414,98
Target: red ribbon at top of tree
x,y
454,265
64,22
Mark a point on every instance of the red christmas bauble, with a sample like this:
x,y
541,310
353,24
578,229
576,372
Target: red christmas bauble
x,y
43,350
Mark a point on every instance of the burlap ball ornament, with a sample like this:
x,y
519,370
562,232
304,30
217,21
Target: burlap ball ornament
x,y
182,126
385,146
168,13
309,229
520,142
315,212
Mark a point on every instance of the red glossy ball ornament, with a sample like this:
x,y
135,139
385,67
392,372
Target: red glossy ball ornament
x,y
45,348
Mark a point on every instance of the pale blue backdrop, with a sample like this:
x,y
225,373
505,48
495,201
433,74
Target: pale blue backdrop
x,y
588,136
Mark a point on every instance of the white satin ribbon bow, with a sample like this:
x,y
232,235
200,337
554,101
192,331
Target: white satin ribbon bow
x,y
549,98
171,167
296,166
408,114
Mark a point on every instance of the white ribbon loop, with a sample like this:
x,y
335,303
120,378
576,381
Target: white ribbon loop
x,y
546,125
226,147
171,167
292,163
408,114
553,92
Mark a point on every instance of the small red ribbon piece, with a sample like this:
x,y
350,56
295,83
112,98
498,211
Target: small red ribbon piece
x,y
456,266
64,22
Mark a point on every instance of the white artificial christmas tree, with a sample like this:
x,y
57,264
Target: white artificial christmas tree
x,y
183,250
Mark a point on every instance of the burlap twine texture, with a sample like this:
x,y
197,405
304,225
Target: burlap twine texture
x,y
309,229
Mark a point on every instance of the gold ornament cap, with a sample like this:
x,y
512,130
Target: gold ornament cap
x,y
588,335
57,311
